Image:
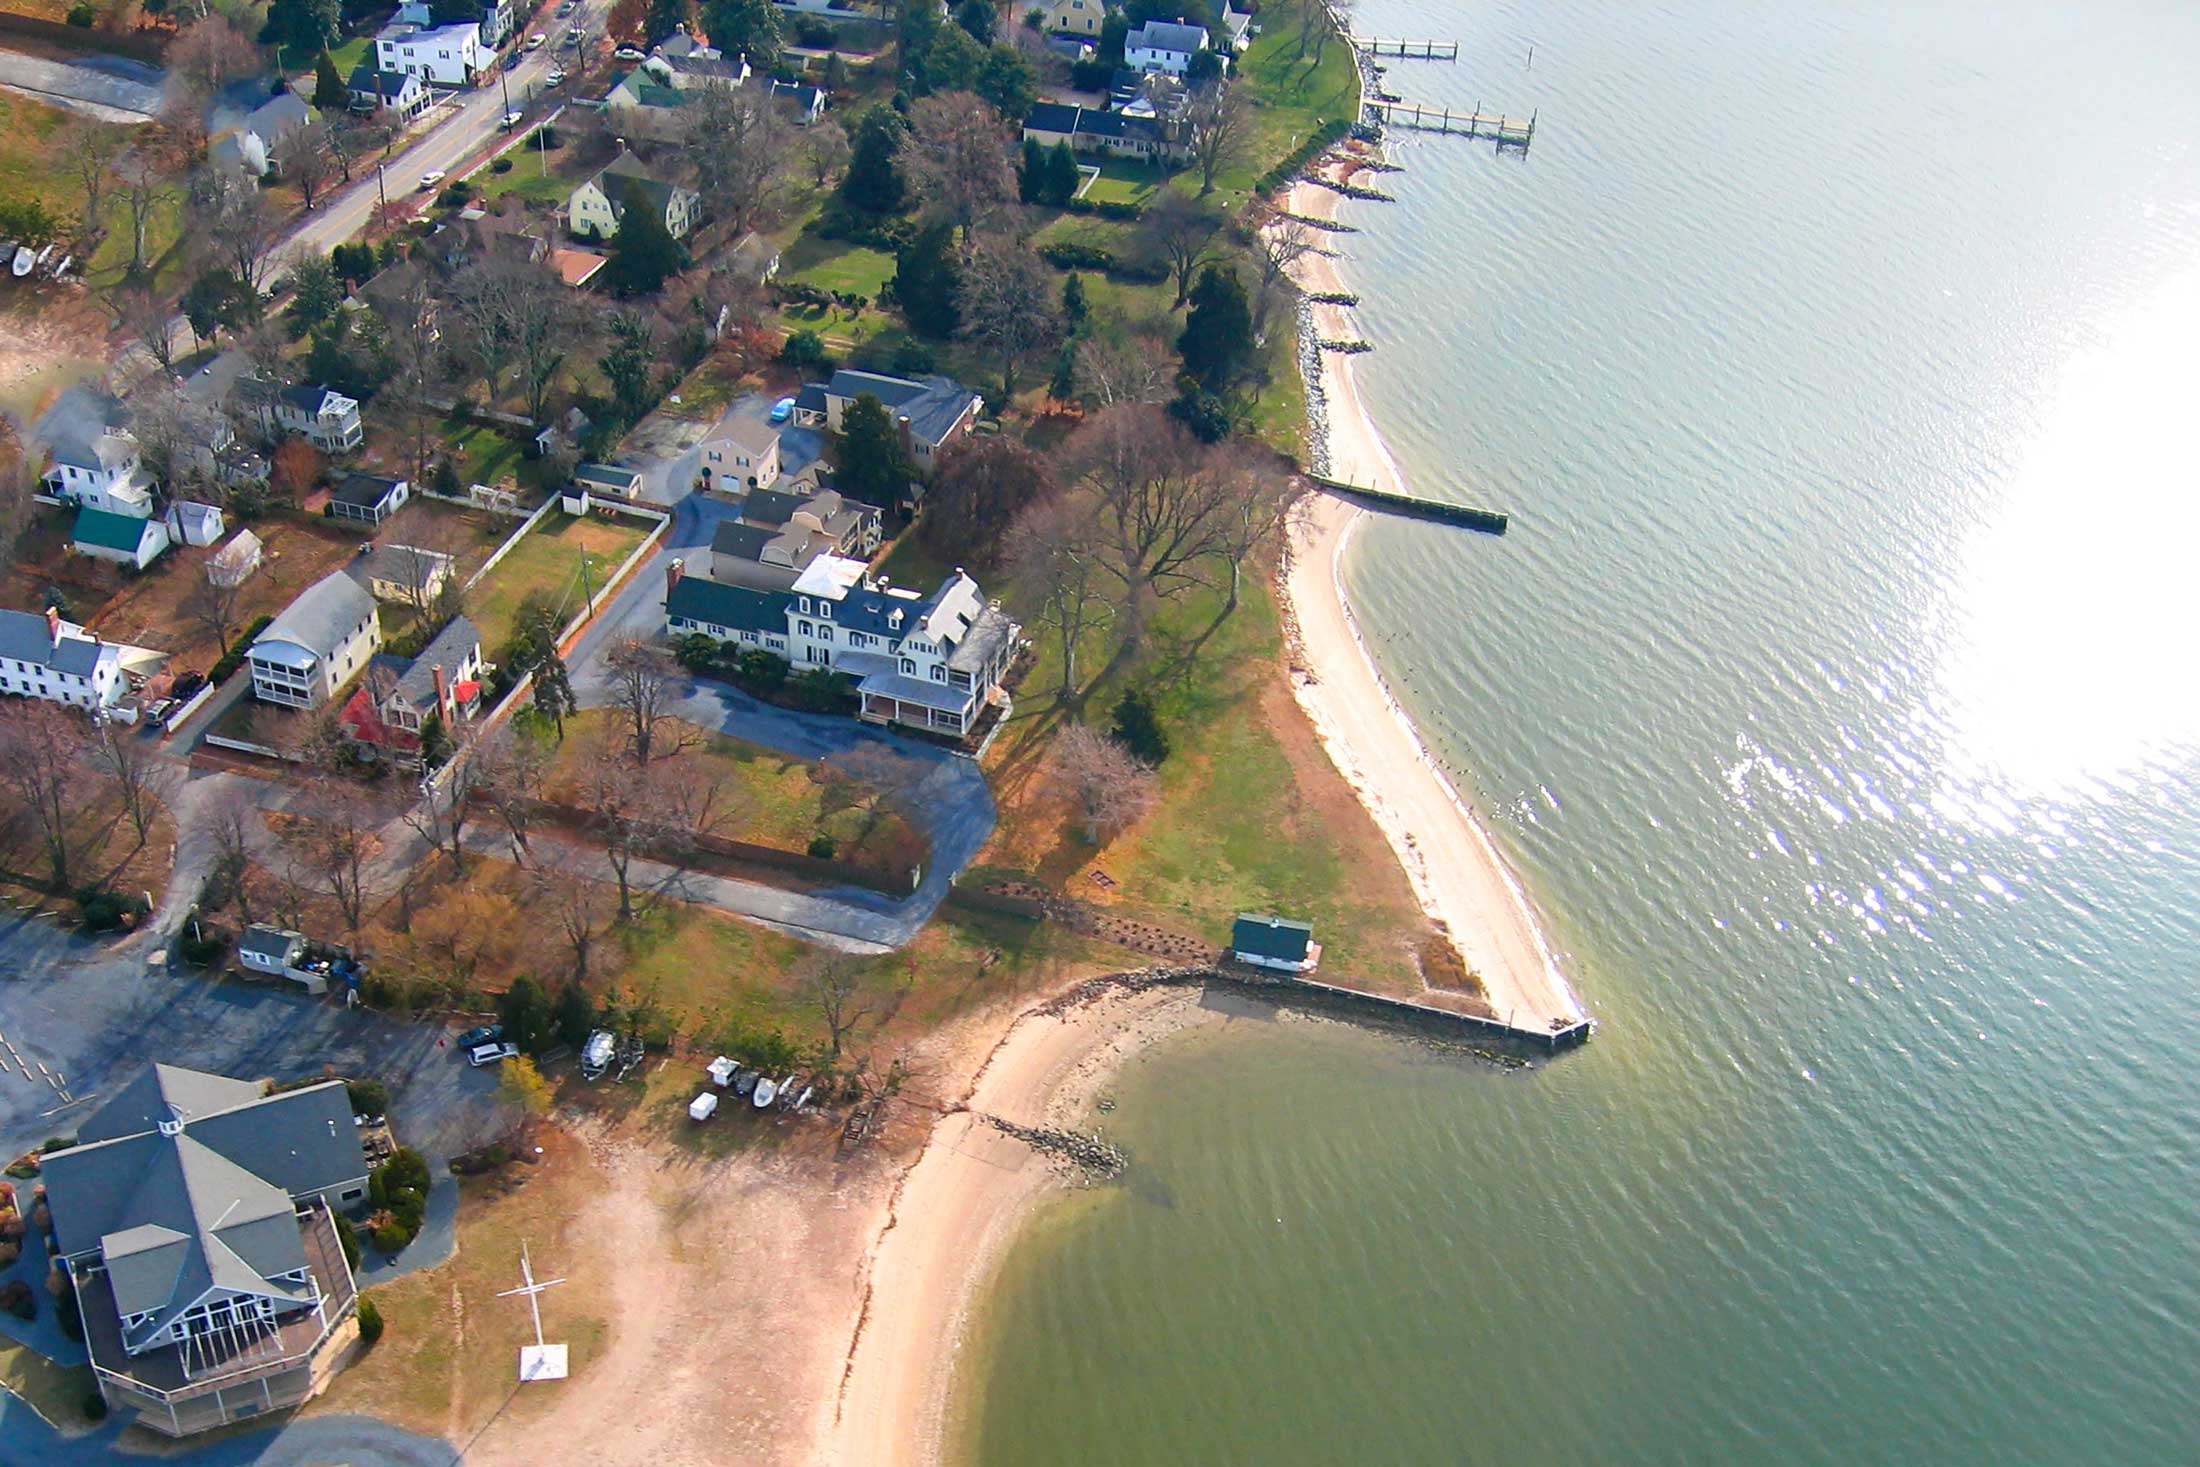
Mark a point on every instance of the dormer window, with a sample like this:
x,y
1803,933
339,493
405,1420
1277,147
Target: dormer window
x,y
805,606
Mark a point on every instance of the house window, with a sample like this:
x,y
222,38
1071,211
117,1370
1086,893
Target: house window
x,y
353,1194
939,673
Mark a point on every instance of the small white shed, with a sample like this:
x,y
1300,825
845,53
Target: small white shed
x,y
703,1107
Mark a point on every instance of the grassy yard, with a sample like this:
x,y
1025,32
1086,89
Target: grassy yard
x,y
31,168
351,53
779,801
526,180
549,562
1251,817
56,1392
1125,181
485,456
831,264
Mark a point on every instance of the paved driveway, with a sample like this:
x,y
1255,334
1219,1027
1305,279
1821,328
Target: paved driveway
x,y
106,87
94,1015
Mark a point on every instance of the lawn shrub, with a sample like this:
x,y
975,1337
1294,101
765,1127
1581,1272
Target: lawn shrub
x,y
370,1321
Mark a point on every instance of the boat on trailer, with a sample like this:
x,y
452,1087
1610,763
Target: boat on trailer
x,y
766,1088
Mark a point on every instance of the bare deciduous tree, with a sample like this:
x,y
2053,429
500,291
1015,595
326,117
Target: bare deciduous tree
x,y
1157,506
742,150
233,221
512,768
332,850
956,159
1108,788
832,987
175,431
825,148
302,154
579,902
649,811
132,767
147,317
231,826
147,187
1179,233
408,311
15,491
1284,242
644,685
1054,555
87,153
1218,122
1120,366
1007,302
516,315
42,774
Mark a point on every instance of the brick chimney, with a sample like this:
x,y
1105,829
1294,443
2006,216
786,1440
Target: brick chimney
x,y
673,572
53,625
443,697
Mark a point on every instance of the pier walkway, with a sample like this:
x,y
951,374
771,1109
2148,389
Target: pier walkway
x,y
1488,521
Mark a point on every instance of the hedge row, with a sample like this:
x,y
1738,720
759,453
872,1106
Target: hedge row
x,y
1064,255
238,651
1107,209
1327,136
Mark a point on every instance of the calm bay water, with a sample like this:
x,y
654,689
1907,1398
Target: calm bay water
x,y
1835,692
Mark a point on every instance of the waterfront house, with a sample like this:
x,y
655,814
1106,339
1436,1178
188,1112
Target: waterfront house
x,y
1275,942
196,1217
444,56
401,92
317,644
46,657
933,412
597,206
391,709
1163,45
933,662
409,574
369,499
122,539
1128,134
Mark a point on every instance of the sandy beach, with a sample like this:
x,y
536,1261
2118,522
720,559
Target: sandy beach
x,y
960,1205
1456,869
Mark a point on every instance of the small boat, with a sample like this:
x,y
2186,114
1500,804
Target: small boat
x,y
802,1102
744,1081
786,1093
766,1088
25,258
62,269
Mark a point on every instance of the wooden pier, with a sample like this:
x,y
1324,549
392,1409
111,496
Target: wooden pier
x,y
1466,516
1411,50
1506,132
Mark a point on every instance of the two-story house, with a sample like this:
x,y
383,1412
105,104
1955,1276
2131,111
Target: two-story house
x,y
1163,45
98,467
933,412
933,661
324,416
399,696
744,456
403,93
46,657
315,646
1080,18
625,183
780,536
196,1217
444,56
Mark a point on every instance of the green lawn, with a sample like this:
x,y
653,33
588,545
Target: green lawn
x,y
549,562
485,456
831,264
31,168
351,53
1126,181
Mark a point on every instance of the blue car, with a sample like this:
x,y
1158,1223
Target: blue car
x,y
783,410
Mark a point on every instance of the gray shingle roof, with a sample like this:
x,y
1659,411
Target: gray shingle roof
x,y
1166,35
745,541
322,616
25,638
459,640
735,607
933,406
366,490
207,1203
263,941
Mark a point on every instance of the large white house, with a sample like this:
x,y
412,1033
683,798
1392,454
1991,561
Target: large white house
x,y
625,183
317,644
1163,45
445,55
324,416
927,661
101,471
46,657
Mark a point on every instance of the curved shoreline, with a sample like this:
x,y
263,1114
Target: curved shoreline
x,y
1455,866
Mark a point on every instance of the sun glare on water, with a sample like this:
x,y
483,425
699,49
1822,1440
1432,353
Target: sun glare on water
x,y
2077,607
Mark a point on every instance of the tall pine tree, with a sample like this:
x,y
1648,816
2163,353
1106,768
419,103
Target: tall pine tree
x,y
1218,333
874,184
927,278
871,464
329,92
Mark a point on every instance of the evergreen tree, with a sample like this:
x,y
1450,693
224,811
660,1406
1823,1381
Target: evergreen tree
x,y
750,27
871,465
329,91
663,19
1138,730
1006,80
952,65
919,29
1062,386
644,254
1062,175
630,365
576,1015
315,293
976,17
874,184
525,1012
1031,173
302,26
1218,333
1074,307
927,278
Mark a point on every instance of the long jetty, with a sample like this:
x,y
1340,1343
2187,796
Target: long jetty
x,y
1466,516
1506,132
1412,50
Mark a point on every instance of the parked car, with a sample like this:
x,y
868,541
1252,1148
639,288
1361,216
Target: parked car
x,y
492,1054
483,1034
628,53
537,41
188,684
431,178
556,79
783,410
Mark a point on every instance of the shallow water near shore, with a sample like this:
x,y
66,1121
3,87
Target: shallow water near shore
x,y
1834,695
